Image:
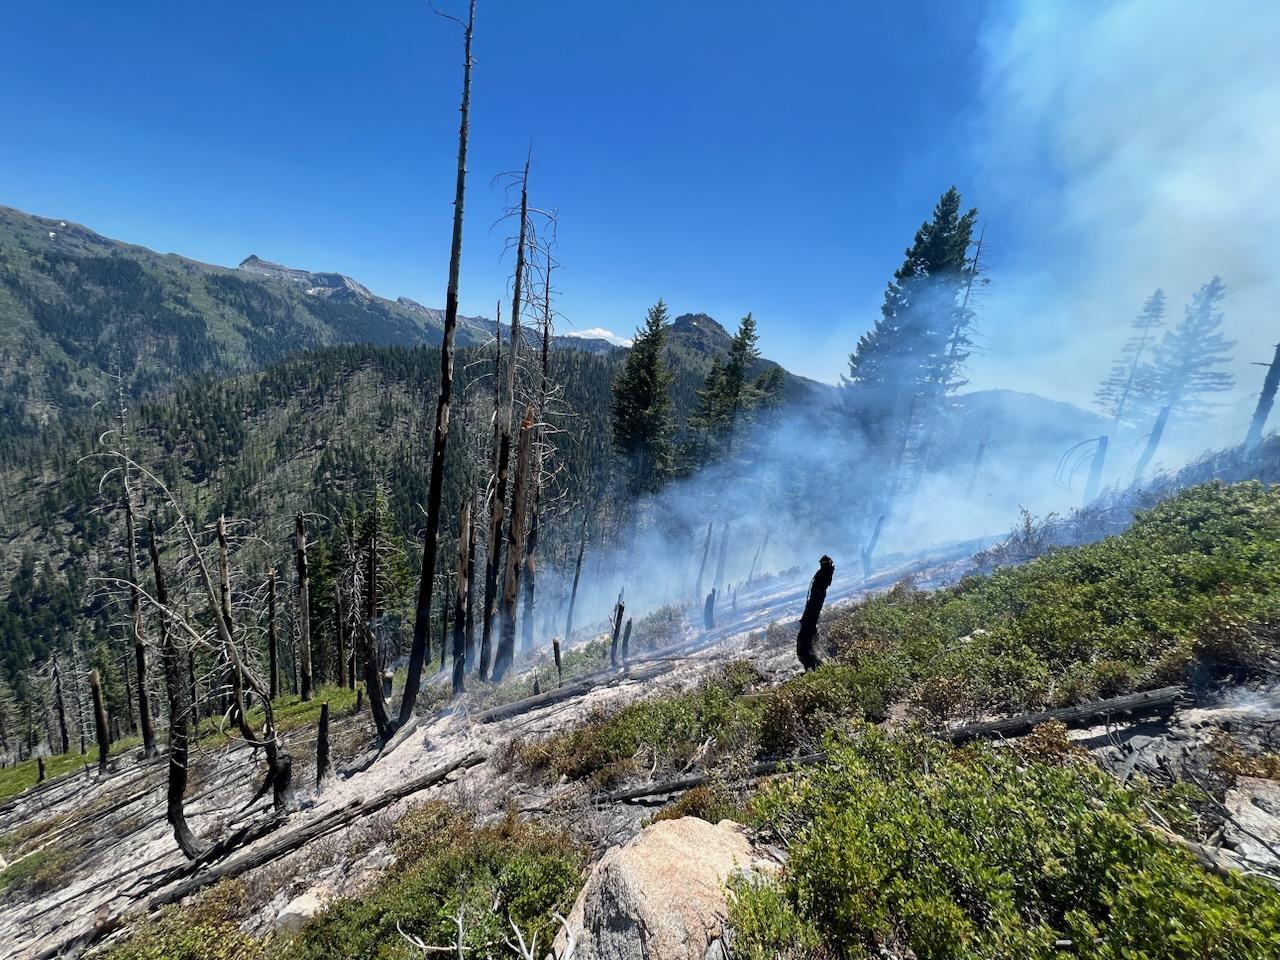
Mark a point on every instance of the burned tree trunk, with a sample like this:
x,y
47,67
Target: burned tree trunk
x,y
279,763
445,607
179,716
515,538
461,601
135,614
273,637
1153,442
577,575
1095,470
756,559
702,567
555,652
469,624
531,542
724,556
807,637
340,631
61,707
1266,400
498,499
322,746
626,643
709,611
304,608
869,551
99,720
440,439
372,672
617,625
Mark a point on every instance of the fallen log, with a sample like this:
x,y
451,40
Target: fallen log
x,y
575,689
1147,701
299,838
1163,700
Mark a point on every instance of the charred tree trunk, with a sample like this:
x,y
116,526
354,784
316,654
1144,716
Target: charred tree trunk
x,y
577,575
435,492
304,608
340,630
724,556
978,456
807,637
626,643
1095,470
702,567
61,707
756,559
279,763
617,626
555,652
497,503
531,542
273,638
1266,400
179,716
135,615
469,624
709,611
322,746
1153,442
372,667
40,771
99,720
515,538
462,599
869,551
445,607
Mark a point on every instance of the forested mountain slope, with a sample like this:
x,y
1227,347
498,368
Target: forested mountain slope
x,y
77,307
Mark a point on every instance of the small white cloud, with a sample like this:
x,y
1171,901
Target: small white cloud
x,y
599,333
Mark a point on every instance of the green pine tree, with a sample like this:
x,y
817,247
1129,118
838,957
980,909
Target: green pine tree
x,y
641,408
908,363
1126,395
731,396
1183,374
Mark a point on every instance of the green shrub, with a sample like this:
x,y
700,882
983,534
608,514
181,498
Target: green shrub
x,y
207,928
662,733
1195,578
905,843
712,802
797,714
446,862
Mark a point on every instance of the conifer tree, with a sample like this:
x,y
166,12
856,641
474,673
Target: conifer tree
x,y
1184,372
1125,396
898,365
641,411
730,395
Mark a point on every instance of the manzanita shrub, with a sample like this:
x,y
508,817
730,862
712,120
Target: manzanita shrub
x,y
902,845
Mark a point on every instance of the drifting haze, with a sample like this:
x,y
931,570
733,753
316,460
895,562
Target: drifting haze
x,y
1126,146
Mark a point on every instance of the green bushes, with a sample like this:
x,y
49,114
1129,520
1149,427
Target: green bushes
x,y
1195,578
447,863
663,733
906,843
206,929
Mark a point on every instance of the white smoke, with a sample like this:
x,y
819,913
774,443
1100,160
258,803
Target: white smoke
x,y
1126,146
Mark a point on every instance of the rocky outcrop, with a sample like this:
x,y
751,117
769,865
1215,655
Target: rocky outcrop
x,y
662,895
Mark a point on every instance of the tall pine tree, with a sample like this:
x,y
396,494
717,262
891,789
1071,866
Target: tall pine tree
x,y
1183,374
641,411
1126,395
730,396
908,363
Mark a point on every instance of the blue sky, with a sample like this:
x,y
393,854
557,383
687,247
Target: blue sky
x,y
726,156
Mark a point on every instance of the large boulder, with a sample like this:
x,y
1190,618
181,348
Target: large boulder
x,y
662,895
299,911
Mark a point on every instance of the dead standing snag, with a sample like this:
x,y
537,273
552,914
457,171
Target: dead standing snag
x,y
807,637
